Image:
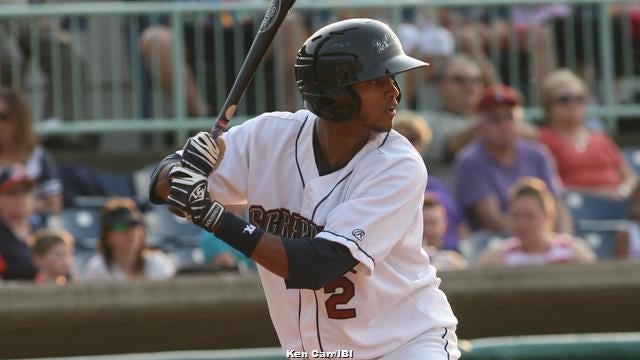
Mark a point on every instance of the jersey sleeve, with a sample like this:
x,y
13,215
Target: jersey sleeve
x,y
384,209
228,184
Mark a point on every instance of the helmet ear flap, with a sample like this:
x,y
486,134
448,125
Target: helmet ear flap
x,y
336,108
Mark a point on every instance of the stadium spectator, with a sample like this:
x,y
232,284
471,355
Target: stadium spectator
x,y
487,168
533,242
19,145
16,207
53,255
628,240
435,226
122,251
55,54
455,125
587,160
415,128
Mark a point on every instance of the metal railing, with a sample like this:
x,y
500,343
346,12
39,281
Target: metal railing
x,y
84,63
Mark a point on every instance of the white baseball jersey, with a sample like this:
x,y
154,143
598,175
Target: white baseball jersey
x,y
373,206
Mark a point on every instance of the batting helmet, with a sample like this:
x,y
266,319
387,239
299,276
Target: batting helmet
x,y
342,54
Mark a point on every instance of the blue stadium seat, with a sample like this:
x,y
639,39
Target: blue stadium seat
x,y
84,225
585,206
601,242
632,155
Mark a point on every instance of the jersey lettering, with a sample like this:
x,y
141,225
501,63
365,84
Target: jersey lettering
x,y
283,222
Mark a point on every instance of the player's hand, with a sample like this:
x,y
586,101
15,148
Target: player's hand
x,y
189,198
202,153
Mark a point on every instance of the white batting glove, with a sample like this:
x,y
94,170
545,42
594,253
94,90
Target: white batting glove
x,y
202,153
189,198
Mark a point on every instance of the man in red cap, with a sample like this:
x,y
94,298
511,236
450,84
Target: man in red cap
x,y
497,159
17,203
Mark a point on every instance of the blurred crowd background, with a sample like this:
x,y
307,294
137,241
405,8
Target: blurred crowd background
x,y
528,120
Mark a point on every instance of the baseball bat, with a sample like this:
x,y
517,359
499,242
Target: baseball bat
x,y
270,24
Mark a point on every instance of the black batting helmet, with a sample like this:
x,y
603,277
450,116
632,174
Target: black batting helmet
x,y
342,54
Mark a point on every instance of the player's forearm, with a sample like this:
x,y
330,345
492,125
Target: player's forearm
x,y
270,253
159,180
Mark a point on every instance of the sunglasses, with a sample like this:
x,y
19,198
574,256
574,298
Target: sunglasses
x,y
124,225
460,79
569,98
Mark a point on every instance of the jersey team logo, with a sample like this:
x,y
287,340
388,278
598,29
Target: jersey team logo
x,y
358,234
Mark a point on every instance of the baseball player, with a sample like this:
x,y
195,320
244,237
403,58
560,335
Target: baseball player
x,y
335,205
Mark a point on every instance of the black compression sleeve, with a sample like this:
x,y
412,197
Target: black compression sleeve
x,y
312,262
315,262
168,160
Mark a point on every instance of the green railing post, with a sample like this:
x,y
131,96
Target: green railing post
x,y
179,93
606,58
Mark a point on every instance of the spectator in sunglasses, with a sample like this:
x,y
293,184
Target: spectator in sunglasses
x,y
587,160
461,82
123,254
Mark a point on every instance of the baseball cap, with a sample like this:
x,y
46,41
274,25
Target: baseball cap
x,y
495,95
13,175
121,219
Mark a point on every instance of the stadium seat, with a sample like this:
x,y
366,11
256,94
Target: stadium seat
x,y
601,242
590,207
84,225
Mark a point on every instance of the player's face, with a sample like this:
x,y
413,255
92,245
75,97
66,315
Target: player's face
x,y
529,219
378,103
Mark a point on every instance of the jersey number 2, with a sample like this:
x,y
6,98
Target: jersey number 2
x,y
339,298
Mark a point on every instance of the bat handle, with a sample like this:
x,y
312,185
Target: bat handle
x,y
217,130
223,120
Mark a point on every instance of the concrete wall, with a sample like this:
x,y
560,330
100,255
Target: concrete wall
x,y
228,311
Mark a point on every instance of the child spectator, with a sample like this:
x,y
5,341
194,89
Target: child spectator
x,y
19,145
122,251
53,256
587,160
532,211
628,240
435,225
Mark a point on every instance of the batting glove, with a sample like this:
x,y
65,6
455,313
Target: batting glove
x,y
189,198
202,153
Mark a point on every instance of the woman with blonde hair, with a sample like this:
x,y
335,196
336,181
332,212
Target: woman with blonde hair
x,y
533,242
587,160
19,145
122,252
